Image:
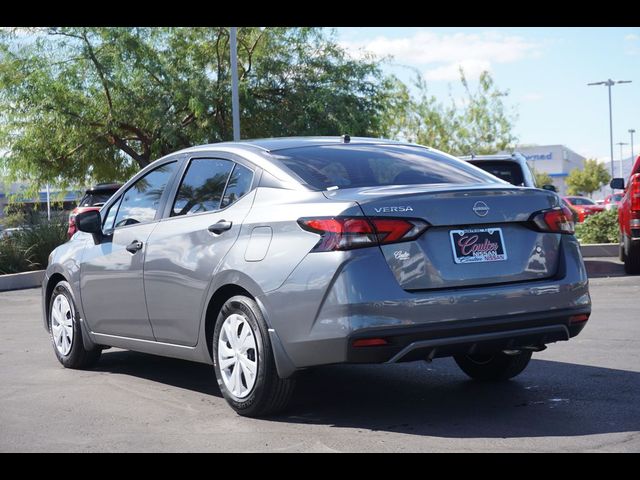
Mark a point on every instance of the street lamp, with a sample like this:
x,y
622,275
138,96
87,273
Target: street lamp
x,y
632,131
235,104
609,83
621,144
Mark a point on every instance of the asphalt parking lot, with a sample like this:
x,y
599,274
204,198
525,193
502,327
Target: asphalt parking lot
x,y
580,395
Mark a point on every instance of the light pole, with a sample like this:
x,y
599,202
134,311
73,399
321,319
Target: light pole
x,y
609,83
632,131
235,103
621,144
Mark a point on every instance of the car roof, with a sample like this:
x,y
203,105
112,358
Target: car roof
x,y
103,186
283,143
505,156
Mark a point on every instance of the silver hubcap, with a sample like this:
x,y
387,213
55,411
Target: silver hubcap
x,y
237,355
62,324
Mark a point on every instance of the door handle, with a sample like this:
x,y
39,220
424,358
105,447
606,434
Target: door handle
x,y
134,246
219,227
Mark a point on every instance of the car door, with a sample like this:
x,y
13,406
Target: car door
x,y
202,223
111,279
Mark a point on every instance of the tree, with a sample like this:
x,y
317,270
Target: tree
x,y
97,104
586,181
478,124
542,178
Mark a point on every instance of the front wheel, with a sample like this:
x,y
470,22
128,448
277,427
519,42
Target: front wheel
x,y
495,366
66,332
243,361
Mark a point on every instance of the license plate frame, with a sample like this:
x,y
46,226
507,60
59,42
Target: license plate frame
x,y
488,245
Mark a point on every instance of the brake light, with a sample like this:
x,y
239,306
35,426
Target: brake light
x,y
556,220
346,233
634,191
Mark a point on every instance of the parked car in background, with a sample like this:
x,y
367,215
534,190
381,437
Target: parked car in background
x,y
94,198
9,232
574,212
629,219
510,168
612,200
584,206
266,257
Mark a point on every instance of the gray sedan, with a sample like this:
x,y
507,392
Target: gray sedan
x,y
267,257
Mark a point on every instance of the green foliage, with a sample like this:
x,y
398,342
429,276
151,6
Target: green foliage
x,y
29,249
82,105
13,258
480,125
542,178
599,228
586,181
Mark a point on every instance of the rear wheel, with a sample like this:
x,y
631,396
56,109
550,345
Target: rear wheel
x,y
632,259
66,332
494,366
244,363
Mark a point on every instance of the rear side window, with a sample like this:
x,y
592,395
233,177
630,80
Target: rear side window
x,y
581,201
140,202
96,198
507,171
350,166
202,186
238,186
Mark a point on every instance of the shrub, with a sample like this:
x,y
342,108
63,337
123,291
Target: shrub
x,y
599,228
13,258
29,249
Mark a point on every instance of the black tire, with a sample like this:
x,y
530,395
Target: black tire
x,y
493,367
632,259
270,394
77,357
621,253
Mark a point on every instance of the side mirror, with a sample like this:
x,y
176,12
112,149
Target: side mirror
x,y
551,188
617,183
90,222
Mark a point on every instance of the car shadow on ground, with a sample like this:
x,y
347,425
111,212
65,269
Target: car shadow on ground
x,y
549,399
610,267
170,371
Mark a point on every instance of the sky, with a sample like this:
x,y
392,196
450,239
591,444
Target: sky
x,y
545,70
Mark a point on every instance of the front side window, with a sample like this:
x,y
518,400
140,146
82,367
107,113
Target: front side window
x,y
111,216
140,202
202,186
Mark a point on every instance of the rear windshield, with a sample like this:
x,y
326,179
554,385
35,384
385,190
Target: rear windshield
x,y
507,171
581,201
351,166
96,198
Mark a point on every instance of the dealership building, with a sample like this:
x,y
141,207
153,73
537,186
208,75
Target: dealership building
x,y
556,160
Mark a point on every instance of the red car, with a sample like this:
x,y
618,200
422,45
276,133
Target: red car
x,y
612,200
93,199
629,219
584,206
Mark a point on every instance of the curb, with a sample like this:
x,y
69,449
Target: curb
x,y
599,250
18,281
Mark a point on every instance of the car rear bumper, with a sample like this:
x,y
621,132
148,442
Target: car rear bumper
x,y
467,337
323,306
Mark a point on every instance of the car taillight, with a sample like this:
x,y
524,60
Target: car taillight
x,y
556,220
634,191
346,233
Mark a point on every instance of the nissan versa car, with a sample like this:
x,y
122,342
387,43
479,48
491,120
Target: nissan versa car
x,y
267,257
